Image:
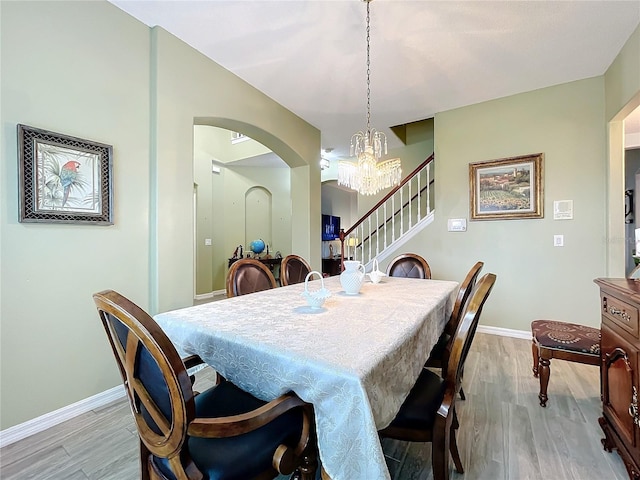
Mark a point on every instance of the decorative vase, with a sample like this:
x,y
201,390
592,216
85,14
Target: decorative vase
x,y
352,277
376,275
316,298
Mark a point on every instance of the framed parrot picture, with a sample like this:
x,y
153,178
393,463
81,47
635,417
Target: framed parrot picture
x,y
63,179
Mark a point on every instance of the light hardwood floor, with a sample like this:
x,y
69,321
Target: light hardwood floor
x,y
504,433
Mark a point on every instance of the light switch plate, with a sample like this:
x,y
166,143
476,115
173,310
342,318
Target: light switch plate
x,y
558,240
207,241
457,225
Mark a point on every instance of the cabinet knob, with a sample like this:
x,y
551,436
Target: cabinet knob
x,y
620,313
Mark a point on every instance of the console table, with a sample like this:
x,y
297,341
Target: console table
x,y
331,266
620,357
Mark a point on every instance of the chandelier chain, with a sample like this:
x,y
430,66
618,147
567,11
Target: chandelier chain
x,y
368,69
369,175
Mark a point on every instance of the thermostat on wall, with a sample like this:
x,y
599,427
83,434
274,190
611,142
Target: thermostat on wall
x,y
457,225
563,210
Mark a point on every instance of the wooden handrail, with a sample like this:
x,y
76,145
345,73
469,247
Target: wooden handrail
x,y
408,178
393,214
388,195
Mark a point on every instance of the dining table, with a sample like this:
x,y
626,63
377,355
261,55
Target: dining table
x,y
355,358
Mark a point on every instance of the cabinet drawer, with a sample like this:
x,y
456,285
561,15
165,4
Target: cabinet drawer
x,y
620,313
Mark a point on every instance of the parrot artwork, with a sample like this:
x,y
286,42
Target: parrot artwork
x,y
68,176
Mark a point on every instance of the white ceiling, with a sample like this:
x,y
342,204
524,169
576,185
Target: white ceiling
x,y
426,56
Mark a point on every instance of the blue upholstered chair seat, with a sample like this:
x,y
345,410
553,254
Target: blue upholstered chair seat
x,y
226,458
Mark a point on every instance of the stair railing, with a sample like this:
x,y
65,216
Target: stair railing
x,y
392,217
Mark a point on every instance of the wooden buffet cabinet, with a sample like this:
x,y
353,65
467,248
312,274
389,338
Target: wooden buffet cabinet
x,y
619,368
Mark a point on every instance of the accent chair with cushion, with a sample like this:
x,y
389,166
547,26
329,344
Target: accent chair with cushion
x,y
429,412
564,341
410,265
223,433
293,269
248,275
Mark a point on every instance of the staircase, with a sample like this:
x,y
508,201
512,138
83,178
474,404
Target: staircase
x,y
396,218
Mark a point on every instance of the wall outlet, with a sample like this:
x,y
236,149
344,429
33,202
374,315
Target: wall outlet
x,y
558,240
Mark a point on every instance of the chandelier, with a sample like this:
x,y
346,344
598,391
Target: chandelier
x,y
368,176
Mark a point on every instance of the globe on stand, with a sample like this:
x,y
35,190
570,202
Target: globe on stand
x,y
257,246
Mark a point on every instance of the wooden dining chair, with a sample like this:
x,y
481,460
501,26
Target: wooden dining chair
x,y
249,275
635,273
293,269
410,265
438,353
428,414
223,432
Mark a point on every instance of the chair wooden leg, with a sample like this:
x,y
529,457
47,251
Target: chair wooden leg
x,y
324,475
545,371
462,396
455,454
536,353
144,461
307,470
440,451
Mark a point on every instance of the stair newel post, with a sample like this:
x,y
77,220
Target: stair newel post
x,y
341,249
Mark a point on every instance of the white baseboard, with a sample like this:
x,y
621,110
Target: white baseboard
x,y
505,332
205,296
41,423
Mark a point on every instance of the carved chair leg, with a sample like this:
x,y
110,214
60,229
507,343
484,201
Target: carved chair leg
x,y
534,351
453,444
462,396
545,371
307,470
144,461
439,452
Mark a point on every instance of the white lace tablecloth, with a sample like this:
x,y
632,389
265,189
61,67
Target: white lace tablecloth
x,y
355,359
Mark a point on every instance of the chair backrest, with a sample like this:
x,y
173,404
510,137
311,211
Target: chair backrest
x,y
293,269
410,265
155,379
464,292
249,275
464,334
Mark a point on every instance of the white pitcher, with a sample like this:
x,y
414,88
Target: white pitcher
x,y
352,277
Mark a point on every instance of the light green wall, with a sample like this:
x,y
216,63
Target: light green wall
x,y
622,95
221,204
622,79
535,279
81,69
210,95
87,69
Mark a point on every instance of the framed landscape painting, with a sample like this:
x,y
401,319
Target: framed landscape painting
x,y
63,179
509,188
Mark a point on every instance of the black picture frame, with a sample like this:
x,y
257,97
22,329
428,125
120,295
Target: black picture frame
x,y
63,179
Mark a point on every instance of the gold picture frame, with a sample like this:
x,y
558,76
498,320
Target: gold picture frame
x,y
507,189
